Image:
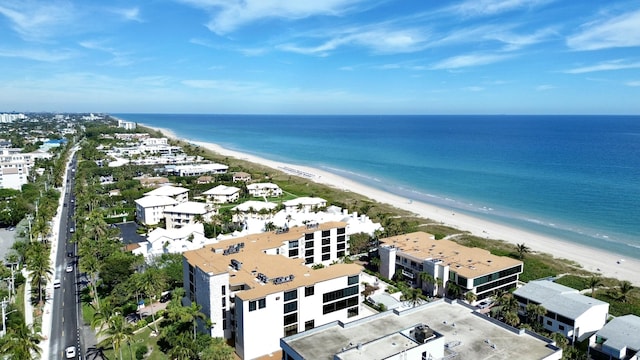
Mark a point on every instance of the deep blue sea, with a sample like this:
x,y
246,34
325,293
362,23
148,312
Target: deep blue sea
x,y
573,177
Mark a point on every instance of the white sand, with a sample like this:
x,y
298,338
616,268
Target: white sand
x,y
592,259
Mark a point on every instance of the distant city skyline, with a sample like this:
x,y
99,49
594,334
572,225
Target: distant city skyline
x,y
321,57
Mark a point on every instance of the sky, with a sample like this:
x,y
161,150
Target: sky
x,y
321,57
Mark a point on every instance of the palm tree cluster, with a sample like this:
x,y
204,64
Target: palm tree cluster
x,y
179,336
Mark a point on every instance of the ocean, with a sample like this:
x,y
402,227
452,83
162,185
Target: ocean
x,y
576,178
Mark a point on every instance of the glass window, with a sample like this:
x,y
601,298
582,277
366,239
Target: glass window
x,y
341,230
353,279
326,233
290,295
291,319
308,236
224,290
326,257
308,325
326,249
262,303
290,307
309,290
252,305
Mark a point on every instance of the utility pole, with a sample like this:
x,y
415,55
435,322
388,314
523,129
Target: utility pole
x,y
4,323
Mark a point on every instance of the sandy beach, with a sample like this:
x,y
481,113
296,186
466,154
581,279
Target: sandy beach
x,y
591,259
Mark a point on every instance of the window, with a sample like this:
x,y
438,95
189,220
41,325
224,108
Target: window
x,y
326,249
341,246
352,312
262,303
293,244
290,319
339,305
308,325
291,330
224,290
326,257
561,327
308,244
341,230
293,253
339,294
326,241
549,322
341,238
308,236
340,253
353,279
290,295
309,290
290,307
326,233
308,261
224,302
308,252
252,305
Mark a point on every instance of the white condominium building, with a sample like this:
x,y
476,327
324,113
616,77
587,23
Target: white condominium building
x,y
177,193
256,289
150,209
264,189
471,269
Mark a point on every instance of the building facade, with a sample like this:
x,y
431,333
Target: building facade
x,y
150,209
433,264
257,289
619,339
264,189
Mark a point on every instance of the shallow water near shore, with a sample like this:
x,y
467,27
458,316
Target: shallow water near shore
x,y
571,177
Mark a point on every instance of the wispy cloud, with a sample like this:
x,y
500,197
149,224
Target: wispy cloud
x,y
37,21
472,8
222,85
634,83
128,14
619,64
545,87
229,15
38,55
119,58
381,41
473,88
463,61
620,31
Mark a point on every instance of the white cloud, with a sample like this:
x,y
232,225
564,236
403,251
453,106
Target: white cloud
x,y
463,61
223,85
633,83
229,15
130,14
474,88
473,8
37,21
620,31
619,64
119,58
545,87
38,55
381,41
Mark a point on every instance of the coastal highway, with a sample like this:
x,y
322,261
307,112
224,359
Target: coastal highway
x,y
66,309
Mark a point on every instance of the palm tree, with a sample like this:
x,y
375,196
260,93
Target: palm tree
x,y
375,262
152,285
522,250
594,282
470,297
427,279
269,226
511,318
22,342
117,332
411,296
453,290
39,266
623,290
534,313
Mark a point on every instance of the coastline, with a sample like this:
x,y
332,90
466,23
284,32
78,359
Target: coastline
x,y
595,260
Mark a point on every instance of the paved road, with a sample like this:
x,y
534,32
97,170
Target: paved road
x,y
66,310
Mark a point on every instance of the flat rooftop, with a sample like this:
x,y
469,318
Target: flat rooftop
x,y
469,335
465,261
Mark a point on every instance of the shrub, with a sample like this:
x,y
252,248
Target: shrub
x,y
141,351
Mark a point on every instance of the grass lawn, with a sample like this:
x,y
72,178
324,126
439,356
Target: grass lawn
x,y
141,338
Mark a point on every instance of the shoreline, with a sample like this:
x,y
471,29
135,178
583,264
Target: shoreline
x,y
607,264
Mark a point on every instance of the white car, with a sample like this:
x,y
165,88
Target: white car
x,y
56,283
70,352
69,268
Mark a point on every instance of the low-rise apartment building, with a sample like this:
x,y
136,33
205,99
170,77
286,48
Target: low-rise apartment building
x,y
222,194
570,313
150,209
619,339
257,289
472,269
177,193
187,213
264,189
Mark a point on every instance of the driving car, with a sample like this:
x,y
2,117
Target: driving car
x,y
69,268
56,283
70,352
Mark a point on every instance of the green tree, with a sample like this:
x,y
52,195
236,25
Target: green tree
x,y
375,261
359,243
411,296
594,282
624,287
470,296
428,280
116,332
39,266
21,343
522,250
511,318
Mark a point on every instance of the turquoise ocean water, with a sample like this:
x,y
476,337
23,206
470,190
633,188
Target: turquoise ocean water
x,y
572,177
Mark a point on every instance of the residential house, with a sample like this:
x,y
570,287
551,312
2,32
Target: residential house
x,y
256,289
253,208
154,181
175,241
241,176
177,193
222,194
150,209
619,339
264,190
205,179
187,213
475,270
304,204
570,313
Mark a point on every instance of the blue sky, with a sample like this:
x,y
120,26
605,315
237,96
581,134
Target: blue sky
x,y
321,57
